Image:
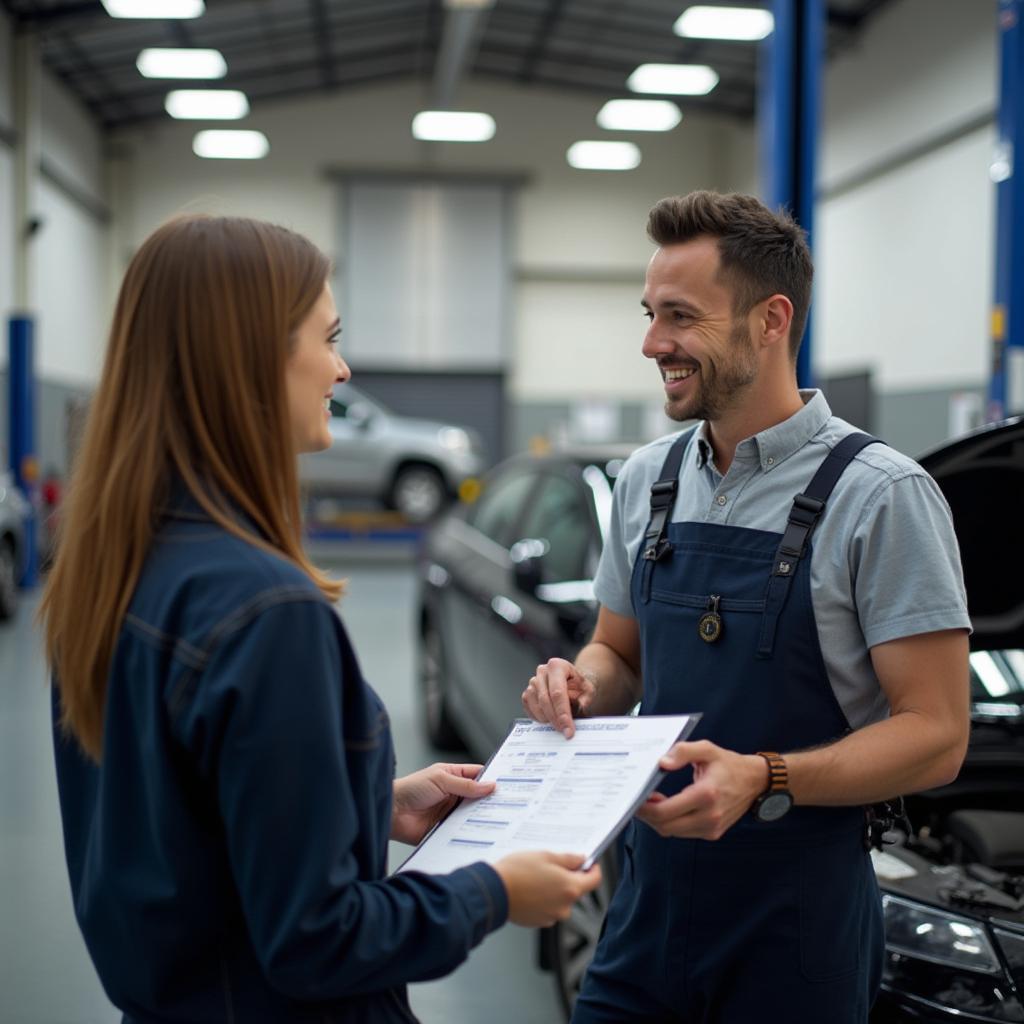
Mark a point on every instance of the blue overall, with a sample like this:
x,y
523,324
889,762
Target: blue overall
x,y
778,921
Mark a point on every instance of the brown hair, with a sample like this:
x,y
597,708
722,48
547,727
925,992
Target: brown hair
x,y
192,387
761,253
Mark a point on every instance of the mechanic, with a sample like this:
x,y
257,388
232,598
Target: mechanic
x,y
798,584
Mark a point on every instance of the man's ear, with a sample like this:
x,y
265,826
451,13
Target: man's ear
x,y
775,317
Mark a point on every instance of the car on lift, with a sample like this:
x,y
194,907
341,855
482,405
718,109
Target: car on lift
x,y
13,512
412,465
507,583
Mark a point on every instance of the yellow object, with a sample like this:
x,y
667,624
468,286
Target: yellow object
x,y
998,323
469,490
29,469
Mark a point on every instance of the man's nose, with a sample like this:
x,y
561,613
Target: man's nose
x,y
656,342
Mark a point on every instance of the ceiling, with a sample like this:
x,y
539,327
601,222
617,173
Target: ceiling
x,y
277,48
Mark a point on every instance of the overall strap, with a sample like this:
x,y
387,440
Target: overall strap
x,y
803,518
663,498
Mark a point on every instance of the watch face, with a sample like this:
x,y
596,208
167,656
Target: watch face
x,y
774,806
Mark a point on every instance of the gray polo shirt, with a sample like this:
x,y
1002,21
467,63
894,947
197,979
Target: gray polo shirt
x,y
885,560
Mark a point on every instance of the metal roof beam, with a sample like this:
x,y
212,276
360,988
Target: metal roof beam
x,y
322,33
460,39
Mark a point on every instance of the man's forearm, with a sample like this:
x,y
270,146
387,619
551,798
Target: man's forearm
x,y
617,687
906,753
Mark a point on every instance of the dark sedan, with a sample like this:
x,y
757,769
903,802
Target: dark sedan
x,y
508,584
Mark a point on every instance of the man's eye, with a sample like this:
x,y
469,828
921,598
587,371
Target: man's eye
x,y
648,315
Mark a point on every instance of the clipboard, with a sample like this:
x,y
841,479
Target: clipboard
x,y
555,794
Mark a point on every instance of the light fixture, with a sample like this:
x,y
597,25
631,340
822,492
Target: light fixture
x,y
207,104
589,155
230,145
154,8
745,24
639,115
452,126
159,62
673,79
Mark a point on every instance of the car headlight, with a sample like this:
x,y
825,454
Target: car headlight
x,y
928,934
455,439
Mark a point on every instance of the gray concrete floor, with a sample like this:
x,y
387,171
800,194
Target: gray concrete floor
x,y
45,973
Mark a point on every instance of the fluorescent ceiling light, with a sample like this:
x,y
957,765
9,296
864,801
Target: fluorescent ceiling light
x,y
603,156
674,79
169,63
452,126
154,8
741,23
207,104
639,115
230,145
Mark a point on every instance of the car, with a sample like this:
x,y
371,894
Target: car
x,y
507,584
13,512
412,465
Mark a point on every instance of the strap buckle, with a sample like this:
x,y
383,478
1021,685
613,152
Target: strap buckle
x,y
663,493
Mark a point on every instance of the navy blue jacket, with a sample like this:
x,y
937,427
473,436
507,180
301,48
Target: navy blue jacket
x,y
228,857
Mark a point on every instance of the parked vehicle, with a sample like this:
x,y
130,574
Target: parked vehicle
x,y
412,465
13,510
508,584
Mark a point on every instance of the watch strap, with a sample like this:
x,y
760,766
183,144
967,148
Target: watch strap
x,y
778,773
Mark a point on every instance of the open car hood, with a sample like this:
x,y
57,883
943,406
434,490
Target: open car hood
x,y
982,476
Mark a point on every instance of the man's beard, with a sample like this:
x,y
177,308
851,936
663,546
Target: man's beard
x,y
722,386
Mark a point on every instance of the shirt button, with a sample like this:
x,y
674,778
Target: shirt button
x,y
721,499
770,461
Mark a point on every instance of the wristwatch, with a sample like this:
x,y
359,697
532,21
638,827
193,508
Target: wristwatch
x,y
776,800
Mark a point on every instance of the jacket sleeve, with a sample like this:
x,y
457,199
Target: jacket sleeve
x,y
265,725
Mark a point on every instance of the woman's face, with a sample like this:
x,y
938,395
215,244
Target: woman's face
x,y
313,368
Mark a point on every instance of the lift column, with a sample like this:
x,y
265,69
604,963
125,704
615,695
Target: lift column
x,y
21,324
788,113
1006,388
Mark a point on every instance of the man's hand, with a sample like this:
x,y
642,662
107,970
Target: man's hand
x,y
724,786
420,800
557,694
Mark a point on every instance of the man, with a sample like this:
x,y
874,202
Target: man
x,y
817,620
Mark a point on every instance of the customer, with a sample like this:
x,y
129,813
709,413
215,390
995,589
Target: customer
x,y
225,773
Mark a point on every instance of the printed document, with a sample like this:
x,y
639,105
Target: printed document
x,y
568,796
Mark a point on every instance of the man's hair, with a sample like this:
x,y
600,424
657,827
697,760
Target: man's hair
x,y
761,253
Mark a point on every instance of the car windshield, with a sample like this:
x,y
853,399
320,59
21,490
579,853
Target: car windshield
x,y
997,678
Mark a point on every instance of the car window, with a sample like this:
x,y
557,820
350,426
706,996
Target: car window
x,y
559,515
497,510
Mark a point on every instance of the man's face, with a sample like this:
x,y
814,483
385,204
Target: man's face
x,y
706,357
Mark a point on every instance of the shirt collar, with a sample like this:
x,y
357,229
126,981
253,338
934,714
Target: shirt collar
x,y
776,444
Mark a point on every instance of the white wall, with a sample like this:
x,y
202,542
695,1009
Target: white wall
x,y
905,257
579,250
6,184
68,258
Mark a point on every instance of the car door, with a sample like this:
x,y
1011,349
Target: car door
x,y
474,622
554,562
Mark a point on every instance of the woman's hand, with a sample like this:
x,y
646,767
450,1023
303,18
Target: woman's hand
x,y
542,887
420,800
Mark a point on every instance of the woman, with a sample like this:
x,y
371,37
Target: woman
x,y
225,773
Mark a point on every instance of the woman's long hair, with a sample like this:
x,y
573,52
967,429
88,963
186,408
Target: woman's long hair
x,y
193,388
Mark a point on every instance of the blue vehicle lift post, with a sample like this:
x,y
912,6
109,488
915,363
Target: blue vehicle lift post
x,y
21,324
788,114
1006,386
